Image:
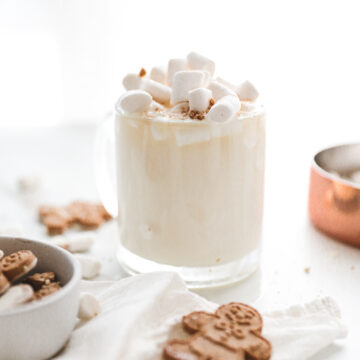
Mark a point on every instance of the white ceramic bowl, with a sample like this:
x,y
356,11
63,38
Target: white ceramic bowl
x,y
38,330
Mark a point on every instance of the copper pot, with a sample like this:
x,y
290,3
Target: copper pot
x,y
334,200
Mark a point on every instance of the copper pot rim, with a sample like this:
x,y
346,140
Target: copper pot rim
x,y
328,174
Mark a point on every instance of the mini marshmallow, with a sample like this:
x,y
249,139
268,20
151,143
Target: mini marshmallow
x,y
225,83
158,73
199,99
132,81
90,267
219,90
89,306
135,101
199,62
175,65
76,242
184,81
16,295
225,109
159,92
1,254
28,184
247,91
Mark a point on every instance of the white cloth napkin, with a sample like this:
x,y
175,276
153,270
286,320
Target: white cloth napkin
x,y
140,313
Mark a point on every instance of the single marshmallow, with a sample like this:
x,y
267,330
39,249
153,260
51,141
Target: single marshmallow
x,y
159,92
175,65
90,267
199,99
89,306
16,295
225,109
247,91
1,254
76,242
200,62
135,101
158,73
225,83
219,90
132,81
28,184
184,81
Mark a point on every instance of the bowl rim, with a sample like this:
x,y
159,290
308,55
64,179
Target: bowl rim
x,y
75,278
316,166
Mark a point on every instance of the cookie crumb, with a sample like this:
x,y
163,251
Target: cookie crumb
x,y
196,115
307,270
142,72
218,260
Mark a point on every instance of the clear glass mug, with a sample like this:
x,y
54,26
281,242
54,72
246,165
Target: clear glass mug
x,y
188,195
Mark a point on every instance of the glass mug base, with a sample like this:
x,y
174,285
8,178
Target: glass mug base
x,y
194,277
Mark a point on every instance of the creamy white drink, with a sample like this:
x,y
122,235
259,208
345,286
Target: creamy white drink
x,y
190,181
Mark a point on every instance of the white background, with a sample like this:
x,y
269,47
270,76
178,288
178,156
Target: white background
x,y
61,62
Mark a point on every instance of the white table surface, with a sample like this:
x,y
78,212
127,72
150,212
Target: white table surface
x,y
62,158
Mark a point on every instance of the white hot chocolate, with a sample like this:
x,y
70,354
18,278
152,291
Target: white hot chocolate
x,y
190,182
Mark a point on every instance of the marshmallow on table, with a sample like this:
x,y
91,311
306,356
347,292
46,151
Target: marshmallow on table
x,y
16,295
184,81
219,90
89,306
199,99
174,66
28,184
158,73
199,62
135,101
247,91
159,92
225,109
132,81
1,254
90,267
76,242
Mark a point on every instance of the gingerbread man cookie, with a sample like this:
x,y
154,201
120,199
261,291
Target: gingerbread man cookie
x,y
46,290
39,279
18,264
233,332
58,218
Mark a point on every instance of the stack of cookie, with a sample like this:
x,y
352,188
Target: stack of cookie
x,y
232,333
16,266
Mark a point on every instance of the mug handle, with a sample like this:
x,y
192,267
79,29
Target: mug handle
x,y
104,164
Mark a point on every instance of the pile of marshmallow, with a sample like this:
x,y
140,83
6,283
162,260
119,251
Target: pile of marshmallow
x,y
187,85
